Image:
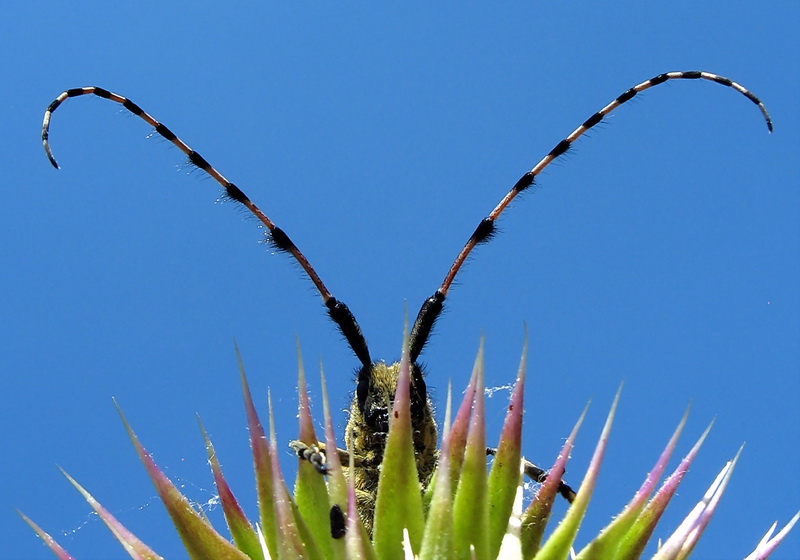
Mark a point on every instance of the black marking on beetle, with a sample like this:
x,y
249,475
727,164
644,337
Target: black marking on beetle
x,y
338,526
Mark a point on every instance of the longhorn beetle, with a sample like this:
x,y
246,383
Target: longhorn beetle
x,y
368,423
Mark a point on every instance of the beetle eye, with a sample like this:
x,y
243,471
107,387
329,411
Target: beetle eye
x,y
362,391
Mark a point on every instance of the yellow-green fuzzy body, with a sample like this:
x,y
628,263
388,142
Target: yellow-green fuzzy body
x,y
367,443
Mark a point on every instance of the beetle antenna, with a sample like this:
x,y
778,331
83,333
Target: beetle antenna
x,y
432,307
337,310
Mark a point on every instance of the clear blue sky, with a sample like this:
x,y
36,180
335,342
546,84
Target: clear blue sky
x,y
663,252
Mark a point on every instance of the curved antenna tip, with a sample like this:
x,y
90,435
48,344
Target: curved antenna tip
x,y
766,116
